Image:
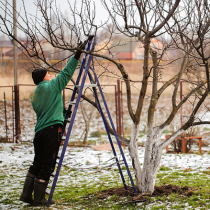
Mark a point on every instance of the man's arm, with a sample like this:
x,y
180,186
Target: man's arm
x,y
66,74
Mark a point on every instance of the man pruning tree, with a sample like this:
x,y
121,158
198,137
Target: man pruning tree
x,y
47,102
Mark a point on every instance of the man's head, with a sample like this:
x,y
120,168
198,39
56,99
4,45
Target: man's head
x,y
39,75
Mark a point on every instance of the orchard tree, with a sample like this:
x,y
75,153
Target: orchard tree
x,y
181,21
188,29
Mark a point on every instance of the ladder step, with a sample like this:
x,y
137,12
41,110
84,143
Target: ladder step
x,y
63,139
47,191
72,102
87,85
67,120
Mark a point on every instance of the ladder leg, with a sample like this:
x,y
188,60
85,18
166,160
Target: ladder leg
x,y
107,130
115,133
77,82
69,131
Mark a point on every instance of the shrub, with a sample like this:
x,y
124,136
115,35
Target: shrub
x,y
95,134
177,143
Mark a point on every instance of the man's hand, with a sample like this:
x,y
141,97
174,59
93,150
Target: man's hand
x,y
81,46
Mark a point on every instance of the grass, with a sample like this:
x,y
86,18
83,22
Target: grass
x,y
95,134
81,189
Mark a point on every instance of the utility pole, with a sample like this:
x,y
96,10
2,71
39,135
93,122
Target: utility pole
x,y
16,87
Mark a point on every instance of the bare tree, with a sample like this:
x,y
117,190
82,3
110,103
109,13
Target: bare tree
x,y
87,118
144,20
188,28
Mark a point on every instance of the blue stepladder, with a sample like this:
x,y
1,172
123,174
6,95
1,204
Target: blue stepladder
x,y
86,66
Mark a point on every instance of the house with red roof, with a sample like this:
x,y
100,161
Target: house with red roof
x,y
129,48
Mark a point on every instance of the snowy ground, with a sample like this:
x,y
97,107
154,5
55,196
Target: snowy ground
x,y
86,157
16,158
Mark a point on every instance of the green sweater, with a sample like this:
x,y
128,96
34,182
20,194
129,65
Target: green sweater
x,y
47,100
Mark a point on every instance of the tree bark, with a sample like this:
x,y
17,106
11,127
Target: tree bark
x,y
151,161
133,151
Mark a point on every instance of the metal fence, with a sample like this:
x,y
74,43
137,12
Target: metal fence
x,y
27,117
117,103
6,114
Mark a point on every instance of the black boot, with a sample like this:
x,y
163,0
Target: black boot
x,y
28,188
39,193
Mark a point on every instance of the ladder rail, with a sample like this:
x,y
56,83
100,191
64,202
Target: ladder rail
x,y
69,131
115,133
77,83
107,130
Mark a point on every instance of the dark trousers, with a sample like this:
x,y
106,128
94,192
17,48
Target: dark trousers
x,y
46,146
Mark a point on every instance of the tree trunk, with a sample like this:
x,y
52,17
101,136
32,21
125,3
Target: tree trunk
x,y
133,151
152,158
86,133
151,161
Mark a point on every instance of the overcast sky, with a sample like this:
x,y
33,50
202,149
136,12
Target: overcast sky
x,y
101,13
63,4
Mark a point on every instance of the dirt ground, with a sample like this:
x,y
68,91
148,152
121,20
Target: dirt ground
x,y
159,191
106,147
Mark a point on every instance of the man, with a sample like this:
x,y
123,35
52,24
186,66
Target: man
x,y
47,102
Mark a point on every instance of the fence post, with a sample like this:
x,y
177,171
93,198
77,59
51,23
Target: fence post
x,y
5,108
17,114
184,149
13,117
200,145
119,109
180,101
116,108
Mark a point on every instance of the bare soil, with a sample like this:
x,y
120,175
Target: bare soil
x,y
159,191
